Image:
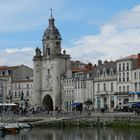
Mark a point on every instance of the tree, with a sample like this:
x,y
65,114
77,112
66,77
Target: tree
x,y
88,103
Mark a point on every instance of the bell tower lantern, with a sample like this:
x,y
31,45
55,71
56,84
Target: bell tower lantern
x,y
51,39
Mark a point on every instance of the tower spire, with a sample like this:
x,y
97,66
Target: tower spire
x,y
51,19
51,12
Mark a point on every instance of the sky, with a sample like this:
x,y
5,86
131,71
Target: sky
x,y
90,29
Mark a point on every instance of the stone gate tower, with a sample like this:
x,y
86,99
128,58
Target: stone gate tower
x,y
49,68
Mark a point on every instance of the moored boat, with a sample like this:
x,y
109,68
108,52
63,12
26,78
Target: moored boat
x,y
2,131
25,126
11,128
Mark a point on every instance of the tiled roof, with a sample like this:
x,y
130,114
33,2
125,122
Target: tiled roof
x,y
134,56
107,66
8,67
131,57
86,68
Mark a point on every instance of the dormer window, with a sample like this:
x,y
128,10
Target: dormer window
x,y
104,72
111,72
98,74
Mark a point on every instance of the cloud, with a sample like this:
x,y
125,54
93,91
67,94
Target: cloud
x,y
26,15
117,38
13,56
15,50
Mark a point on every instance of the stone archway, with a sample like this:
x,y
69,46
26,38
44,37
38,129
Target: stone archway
x,y
48,102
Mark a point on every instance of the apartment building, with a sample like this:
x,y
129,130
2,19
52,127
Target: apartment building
x,y
16,79
105,85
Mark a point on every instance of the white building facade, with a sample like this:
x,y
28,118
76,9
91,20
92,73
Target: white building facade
x,y
78,88
135,93
14,74
105,85
126,68
22,92
68,93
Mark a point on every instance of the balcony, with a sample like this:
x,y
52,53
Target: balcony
x,y
121,93
101,92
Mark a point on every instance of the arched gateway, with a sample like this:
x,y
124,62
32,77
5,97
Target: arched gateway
x,y
48,102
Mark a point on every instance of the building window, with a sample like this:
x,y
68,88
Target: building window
x,y
123,66
98,74
123,77
127,66
9,72
127,88
15,94
84,84
3,73
27,85
104,87
111,86
81,84
135,75
19,86
112,102
123,88
119,77
98,87
135,86
119,67
19,94
120,89
111,73
27,93
75,83
78,85
48,71
104,73
127,76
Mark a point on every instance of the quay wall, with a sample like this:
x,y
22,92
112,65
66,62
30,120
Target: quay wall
x,y
85,121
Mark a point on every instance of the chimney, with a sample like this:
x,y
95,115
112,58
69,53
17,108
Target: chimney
x,y
138,61
99,62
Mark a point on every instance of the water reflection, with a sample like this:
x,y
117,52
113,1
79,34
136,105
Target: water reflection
x,y
75,134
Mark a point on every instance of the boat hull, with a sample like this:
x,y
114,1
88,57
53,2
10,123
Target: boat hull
x,y
3,131
12,130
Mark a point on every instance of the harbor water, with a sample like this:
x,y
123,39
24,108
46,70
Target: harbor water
x,y
75,134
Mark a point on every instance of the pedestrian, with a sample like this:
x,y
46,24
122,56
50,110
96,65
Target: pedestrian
x,y
80,111
102,110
